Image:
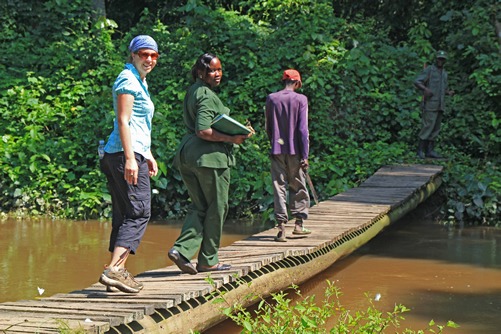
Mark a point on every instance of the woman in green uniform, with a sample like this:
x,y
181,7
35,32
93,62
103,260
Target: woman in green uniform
x,y
204,158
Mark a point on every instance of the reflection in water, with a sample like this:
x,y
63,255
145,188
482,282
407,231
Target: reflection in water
x,y
439,274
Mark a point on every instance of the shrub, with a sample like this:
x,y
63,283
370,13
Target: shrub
x,y
281,315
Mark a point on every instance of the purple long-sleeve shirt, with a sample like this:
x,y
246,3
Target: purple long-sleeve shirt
x,y
287,123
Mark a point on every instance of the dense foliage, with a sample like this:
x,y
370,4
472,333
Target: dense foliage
x,y
358,62
290,312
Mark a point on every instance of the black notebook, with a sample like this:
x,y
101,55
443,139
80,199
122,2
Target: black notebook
x,y
225,124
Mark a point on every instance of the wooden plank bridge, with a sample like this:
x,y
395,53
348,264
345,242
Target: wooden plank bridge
x,y
172,302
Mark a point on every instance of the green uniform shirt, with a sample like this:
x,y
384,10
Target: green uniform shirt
x,y
436,81
201,106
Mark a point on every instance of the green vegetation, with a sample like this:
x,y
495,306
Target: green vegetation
x,y
358,61
65,328
279,314
62,327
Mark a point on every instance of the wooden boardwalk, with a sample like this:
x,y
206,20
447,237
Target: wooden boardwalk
x,y
177,303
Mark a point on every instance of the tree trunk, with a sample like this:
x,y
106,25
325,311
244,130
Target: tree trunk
x,y
498,33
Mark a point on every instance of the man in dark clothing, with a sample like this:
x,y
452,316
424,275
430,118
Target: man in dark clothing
x,y
433,82
287,130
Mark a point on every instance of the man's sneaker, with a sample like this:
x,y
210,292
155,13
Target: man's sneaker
x,y
121,279
299,229
281,233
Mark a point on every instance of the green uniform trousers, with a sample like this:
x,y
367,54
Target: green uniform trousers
x,y
431,124
208,189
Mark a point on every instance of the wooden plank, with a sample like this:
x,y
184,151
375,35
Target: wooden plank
x,y
28,326
90,293
137,310
155,303
112,319
44,325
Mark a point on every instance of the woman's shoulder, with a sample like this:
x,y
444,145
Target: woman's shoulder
x,y
202,91
200,87
124,74
126,78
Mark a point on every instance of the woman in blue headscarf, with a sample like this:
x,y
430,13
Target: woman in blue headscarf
x,y
128,163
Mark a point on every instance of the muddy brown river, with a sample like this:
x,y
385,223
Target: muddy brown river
x,y
437,273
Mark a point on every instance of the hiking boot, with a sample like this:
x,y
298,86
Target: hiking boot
x,y
110,288
121,279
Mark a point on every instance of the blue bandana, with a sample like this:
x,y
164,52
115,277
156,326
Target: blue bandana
x,y
143,42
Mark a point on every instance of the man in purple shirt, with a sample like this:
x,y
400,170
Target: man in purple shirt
x,y
287,129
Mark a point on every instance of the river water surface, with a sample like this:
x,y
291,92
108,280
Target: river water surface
x,y
437,273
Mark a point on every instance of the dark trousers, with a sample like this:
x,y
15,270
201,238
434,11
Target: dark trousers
x,y
431,122
131,204
288,176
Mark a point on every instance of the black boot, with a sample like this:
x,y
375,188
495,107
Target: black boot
x,y
422,148
430,153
